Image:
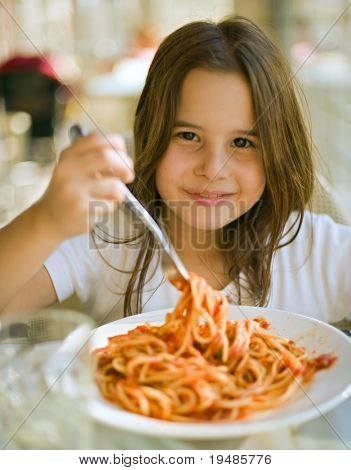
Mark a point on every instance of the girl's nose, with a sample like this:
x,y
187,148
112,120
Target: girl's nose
x,y
213,162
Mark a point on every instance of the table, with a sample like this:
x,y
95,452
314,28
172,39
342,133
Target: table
x,y
331,431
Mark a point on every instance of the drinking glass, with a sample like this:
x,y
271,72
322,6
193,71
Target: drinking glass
x,y
46,381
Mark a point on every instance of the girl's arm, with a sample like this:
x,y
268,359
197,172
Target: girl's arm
x,y
24,246
88,170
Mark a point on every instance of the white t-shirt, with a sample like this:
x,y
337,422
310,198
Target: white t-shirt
x,y
310,276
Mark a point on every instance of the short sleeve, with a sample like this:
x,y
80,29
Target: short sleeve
x,y
332,255
74,267
97,266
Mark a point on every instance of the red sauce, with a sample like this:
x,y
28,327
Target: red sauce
x,y
324,361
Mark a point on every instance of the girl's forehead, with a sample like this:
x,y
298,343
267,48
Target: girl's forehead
x,y
207,75
210,95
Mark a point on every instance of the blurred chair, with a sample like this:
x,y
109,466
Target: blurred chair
x,y
325,201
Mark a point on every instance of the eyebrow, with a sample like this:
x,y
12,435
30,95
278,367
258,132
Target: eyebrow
x,y
250,132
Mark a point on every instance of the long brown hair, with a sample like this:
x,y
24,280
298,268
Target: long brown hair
x,y
234,45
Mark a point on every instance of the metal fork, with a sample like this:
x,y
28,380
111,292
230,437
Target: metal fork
x,y
41,327
19,335
172,265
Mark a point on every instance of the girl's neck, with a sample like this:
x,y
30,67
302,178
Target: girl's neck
x,y
200,252
190,242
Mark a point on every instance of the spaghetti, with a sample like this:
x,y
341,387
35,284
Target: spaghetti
x,y
198,366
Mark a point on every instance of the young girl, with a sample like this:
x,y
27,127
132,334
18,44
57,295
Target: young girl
x,y
223,160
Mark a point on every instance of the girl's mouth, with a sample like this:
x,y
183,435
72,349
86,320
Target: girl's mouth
x,y
209,199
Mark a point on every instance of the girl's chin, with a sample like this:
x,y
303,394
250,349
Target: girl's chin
x,y
207,226
202,222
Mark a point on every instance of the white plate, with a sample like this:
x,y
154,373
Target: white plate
x,y
328,389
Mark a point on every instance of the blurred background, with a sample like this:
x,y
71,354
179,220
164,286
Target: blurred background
x,y
63,61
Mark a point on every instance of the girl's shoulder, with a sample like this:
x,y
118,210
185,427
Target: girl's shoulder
x,y
317,227
321,244
312,275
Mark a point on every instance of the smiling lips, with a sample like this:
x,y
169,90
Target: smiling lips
x,y
209,198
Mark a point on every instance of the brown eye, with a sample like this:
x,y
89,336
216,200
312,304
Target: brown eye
x,y
241,142
188,135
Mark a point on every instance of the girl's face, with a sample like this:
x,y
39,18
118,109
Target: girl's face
x,y
212,171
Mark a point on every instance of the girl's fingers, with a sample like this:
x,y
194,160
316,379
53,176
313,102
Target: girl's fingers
x,y
109,152
107,188
98,209
95,141
104,162
104,194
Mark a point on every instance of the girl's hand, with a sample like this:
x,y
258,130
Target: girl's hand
x,y
88,170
